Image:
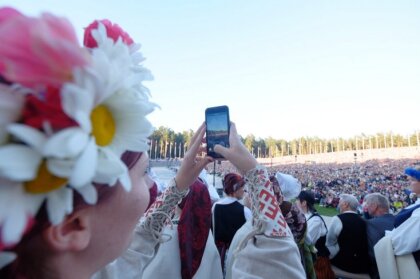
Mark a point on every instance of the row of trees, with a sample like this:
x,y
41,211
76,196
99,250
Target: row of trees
x,y
165,143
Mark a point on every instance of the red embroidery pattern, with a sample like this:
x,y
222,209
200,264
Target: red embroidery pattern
x,y
159,202
268,206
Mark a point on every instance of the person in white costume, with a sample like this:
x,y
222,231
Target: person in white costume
x,y
405,237
190,237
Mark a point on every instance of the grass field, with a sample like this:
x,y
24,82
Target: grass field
x,y
326,211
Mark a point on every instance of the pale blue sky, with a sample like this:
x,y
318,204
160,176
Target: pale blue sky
x,y
285,68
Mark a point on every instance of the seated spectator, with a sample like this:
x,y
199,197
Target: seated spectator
x,y
377,206
346,253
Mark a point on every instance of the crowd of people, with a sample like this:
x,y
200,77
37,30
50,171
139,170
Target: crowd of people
x,y
331,251
329,181
76,199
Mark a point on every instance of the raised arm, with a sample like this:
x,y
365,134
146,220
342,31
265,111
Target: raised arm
x,y
269,248
148,232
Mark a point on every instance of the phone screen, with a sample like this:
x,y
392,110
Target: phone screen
x,y
217,123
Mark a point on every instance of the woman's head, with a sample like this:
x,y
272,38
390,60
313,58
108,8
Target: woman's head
x,y
114,218
84,232
306,201
233,185
74,125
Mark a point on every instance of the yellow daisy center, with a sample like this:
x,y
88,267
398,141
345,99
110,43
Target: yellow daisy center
x,y
103,125
44,182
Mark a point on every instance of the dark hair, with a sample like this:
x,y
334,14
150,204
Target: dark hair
x,y
27,247
232,182
309,197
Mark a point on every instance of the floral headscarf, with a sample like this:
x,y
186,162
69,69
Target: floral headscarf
x,y
193,228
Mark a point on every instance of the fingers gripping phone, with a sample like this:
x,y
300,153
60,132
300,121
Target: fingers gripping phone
x,y
217,129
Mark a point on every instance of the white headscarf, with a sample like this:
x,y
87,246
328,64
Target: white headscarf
x,y
289,185
214,196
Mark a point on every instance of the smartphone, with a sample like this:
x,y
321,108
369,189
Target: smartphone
x,y
217,129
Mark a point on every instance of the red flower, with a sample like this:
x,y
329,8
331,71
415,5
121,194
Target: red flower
x,y
46,109
113,31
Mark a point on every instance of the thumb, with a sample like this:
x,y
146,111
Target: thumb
x,y
221,150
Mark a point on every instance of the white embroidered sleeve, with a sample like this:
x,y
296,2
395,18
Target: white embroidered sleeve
x,y
268,250
267,216
146,239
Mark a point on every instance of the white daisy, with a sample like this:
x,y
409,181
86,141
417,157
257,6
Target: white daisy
x,y
16,207
59,204
110,105
47,169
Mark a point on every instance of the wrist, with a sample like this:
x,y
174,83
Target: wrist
x,y
179,183
248,164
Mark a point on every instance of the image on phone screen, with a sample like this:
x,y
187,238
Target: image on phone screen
x,y
217,122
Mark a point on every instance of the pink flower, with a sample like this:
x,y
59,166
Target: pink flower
x,y
38,52
113,31
8,13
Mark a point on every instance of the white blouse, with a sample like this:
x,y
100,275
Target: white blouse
x,y
165,266
406,238
315,229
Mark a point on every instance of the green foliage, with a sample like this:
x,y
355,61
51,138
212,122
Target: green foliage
x,y
166,143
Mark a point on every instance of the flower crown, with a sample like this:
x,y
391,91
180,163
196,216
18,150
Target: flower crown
x,y
67,114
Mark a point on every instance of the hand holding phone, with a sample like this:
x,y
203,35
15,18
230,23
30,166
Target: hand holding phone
x,y
237,153
192,165
217,129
